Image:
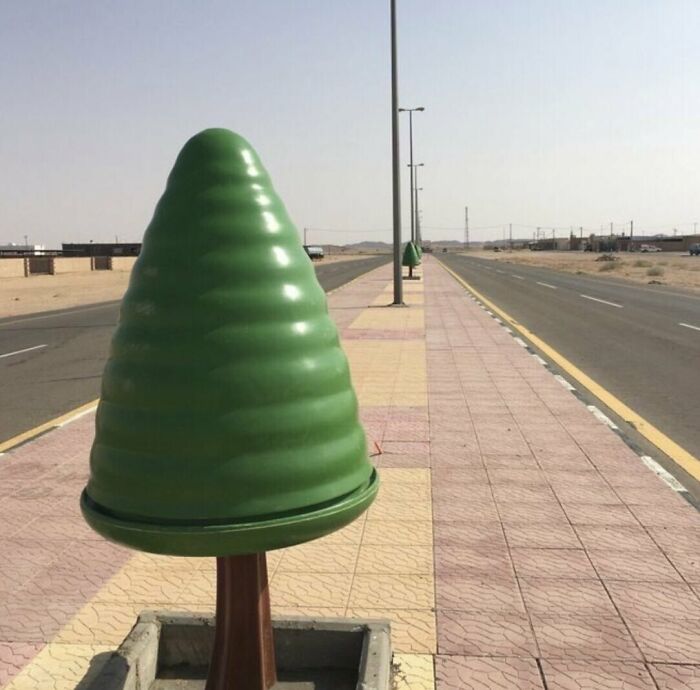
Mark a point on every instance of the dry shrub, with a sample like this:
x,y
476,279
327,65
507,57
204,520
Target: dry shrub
x,y
655,271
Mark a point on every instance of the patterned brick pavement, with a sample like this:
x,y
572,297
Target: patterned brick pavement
x,y
517,542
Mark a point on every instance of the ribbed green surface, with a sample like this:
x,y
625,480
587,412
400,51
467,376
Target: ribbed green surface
x,y
226,398
410,255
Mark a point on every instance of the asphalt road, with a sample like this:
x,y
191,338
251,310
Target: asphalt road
x,y
641,343
51,363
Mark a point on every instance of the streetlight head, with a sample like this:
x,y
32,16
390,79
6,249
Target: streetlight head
x,y
421,108
420,165
403,110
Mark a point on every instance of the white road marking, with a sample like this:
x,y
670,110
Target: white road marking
x,y
540,360
499,271
564,382
19,352
520,342
687,325
507,329
663,474
602,301
547,285
601,417
518,277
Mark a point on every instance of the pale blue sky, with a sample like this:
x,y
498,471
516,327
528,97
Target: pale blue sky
x,y
551,113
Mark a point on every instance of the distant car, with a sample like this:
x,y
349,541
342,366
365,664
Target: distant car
x,y
694,249
314,251
649,248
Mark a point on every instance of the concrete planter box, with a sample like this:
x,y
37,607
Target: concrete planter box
x,y
168,651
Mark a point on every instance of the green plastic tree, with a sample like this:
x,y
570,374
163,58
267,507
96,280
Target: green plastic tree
x,y
411,258
227,424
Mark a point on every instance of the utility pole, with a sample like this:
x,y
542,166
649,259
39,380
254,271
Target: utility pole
x,y
305,241
510,235
466,228
611,229
629,247
395,163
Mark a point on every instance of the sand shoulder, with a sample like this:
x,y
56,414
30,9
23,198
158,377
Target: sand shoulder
x,y
665,268
20,296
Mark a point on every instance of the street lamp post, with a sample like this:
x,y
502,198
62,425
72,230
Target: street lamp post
x,y
419,238
395,162
410,112
414,191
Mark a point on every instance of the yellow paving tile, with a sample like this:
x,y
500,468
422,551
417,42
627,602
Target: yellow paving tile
x,y
416,476
61,667
390,318
400,510
100,624
387,372
410,298
412,630
392,591
310,589
393,489
413,672
398,532
158,585
319,558
314,611
352,534
399,560
199,589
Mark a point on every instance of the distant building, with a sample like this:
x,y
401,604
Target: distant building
x,y
13,249
101,249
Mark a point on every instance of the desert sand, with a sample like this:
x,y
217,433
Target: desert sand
x,y
40,293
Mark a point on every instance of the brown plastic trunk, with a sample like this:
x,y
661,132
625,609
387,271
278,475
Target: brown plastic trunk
x,y
244,653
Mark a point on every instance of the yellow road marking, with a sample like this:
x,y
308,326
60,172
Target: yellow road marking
x,y
28,435
677,453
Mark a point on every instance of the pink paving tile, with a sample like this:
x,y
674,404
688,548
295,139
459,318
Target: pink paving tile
x,y
590,495
667,641
468,534
521,493
584,637
33,622
687,564
550,536
669,600
626,538
672,538
458,476
485,634
478,510
596,675
567,598
473,563
459,593
570,564
664,515
517,477
593,514
531,513
479,673
675,676
502,461
633,566
14,656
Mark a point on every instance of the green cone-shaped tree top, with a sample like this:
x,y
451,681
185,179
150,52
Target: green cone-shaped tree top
x,y
227,422
410,255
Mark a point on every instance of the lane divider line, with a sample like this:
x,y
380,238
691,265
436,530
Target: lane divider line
x,y
687,325
601,417
663,474
518,277
547,285
666,445
19,352
602,301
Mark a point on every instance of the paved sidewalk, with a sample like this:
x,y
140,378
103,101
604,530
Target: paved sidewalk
x,y
517,541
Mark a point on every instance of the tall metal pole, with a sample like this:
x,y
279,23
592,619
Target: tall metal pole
x,y
466,228
510,235
396,188
415,191
410,157
629,247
